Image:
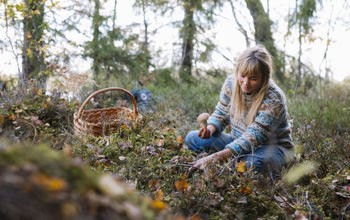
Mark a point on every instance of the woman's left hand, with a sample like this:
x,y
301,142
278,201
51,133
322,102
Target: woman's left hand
x,y
205,161
201,163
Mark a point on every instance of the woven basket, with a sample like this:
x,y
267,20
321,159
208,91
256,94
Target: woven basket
x,y
102,122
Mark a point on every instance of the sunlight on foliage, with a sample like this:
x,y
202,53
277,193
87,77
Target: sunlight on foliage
x,y
300,170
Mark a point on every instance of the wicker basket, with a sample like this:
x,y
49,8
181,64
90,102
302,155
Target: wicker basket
x,y
102,122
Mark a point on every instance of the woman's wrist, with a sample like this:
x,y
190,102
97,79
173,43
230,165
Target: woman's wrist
x,y
211,128
225,153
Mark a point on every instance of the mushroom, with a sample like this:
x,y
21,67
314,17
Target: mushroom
x,y
202,119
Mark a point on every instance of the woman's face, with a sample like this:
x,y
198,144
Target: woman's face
x,y
249,84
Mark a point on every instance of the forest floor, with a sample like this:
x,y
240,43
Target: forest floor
x,y
141,170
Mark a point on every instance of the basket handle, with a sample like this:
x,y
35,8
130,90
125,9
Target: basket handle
x,y
105,90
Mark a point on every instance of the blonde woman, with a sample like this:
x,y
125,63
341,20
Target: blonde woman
x,y
255,109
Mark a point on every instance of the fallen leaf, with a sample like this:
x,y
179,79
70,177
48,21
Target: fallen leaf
x,y
241,166
160,205
179,140
50,183
245,189
12,117
2,121
153,184
159,142
194,217
40,92
181,185
159,195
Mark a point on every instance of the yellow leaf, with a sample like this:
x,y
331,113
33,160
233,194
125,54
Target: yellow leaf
x,y
245,189
2,121
50,183
36,12
157,204
29,35
159,142
179,140
29,51
181,185
241,166
12,117
40,92
159,195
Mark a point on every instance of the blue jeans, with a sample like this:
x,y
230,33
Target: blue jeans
x,y
266,158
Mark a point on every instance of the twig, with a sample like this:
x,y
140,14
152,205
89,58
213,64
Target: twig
x,y
344,210
308,204
9,39
285,215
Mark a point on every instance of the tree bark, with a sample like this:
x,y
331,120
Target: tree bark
x,y
263,34
146,41
96,35
33,65
188,34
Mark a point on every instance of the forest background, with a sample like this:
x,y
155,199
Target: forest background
x,y
60,52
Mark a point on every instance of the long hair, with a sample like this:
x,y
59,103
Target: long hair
x,y
253,61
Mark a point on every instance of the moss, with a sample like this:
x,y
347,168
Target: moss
x,y
38,179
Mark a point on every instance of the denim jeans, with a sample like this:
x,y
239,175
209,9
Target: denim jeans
x,y
265,158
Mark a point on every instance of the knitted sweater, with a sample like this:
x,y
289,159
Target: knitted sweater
x,y
270,127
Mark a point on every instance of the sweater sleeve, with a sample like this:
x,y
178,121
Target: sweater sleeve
x,y
260,130
221,115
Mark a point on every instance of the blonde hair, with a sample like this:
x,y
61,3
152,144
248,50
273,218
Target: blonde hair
x,y
253,61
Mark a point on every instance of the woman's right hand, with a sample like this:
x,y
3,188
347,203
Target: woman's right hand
x,y
206,132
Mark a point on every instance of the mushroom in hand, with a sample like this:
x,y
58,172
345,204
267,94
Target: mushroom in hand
x,y
202,119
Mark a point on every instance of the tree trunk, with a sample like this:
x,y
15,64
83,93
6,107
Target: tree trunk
x,y
146,41
33,65
263,34
188,34
96,35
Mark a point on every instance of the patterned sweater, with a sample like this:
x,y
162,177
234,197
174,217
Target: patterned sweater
x,y
270,127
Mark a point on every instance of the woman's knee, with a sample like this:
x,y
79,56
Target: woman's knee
x,y
191,142
190,136
266,160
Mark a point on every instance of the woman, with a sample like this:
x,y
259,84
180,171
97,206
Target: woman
x,y
255,108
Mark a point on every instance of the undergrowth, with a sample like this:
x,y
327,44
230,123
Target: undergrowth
x,y
153,159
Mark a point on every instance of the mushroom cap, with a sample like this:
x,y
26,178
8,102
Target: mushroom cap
x,y
203,117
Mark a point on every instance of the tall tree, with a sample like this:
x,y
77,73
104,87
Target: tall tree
x,y
191,24
33,65
263,33
303,14
113,50
96,22
188,35
145,45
